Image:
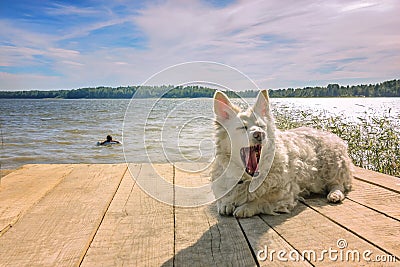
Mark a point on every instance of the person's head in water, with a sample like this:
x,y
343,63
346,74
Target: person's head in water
x,y
109,138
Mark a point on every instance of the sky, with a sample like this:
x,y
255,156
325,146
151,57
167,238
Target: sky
x,y
49,45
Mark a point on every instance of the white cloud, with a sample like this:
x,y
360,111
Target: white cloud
x,y
61,53
278,44
73,63
13,56
357,5
59,9
304,36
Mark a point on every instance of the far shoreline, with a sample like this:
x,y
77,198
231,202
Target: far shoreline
x,y
389,88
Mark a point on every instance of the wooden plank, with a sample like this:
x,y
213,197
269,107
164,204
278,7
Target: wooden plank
x,y
263,238
192,184
308,232
202,237
62,220
24,187
192,174
377,198
59,228
379,179
137,230
378,229
155,180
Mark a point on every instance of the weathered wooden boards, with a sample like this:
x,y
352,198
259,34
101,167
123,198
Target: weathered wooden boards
x,y
97,215
57,230
202,237
378,179
23,188
316,225
137,230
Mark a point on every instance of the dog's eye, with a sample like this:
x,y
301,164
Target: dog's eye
x,y
240,182
242,128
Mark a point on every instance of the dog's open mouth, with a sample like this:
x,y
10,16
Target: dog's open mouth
x,y
251,157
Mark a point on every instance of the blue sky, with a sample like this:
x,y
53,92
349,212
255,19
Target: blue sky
x,y
278,44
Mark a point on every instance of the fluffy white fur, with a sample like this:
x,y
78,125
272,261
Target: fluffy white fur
x,y
305,160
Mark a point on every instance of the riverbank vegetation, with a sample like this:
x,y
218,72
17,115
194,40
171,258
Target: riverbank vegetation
x,y
373,141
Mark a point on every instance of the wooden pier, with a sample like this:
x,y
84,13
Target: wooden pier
x,y
96,215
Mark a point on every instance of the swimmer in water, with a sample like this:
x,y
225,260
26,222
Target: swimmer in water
x,y
109,140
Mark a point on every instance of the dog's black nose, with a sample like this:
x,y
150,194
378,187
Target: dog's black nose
x,y
259,136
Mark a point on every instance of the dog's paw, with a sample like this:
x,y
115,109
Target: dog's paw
x,y
283,209
335,196
226,209
244,212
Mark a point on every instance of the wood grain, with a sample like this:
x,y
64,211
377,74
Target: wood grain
x,y
263,239
377,198
99,215
58,229
378,179
378,229
307,230
24,187
202,237
137,230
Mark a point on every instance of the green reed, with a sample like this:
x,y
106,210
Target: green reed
x,y
373,141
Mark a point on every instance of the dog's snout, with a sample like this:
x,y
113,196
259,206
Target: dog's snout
x,y
258,135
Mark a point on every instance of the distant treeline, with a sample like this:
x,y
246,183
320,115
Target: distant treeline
x,y
384,89
118,92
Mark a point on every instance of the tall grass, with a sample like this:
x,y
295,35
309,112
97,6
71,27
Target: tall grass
x,y
373,141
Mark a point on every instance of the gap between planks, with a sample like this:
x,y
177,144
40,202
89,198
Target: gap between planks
x,y
388,245
378,199
56,230
14,202
137,234
137,230
378,179
283,239
202,237
85,250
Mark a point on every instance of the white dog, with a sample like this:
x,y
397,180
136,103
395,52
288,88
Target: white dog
x,y
259,169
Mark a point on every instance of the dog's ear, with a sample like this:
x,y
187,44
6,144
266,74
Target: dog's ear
x,y
223,108
261,107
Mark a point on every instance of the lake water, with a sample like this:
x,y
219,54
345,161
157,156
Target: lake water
x,y
66,131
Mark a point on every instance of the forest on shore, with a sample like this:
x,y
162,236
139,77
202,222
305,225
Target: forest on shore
x,y
385,89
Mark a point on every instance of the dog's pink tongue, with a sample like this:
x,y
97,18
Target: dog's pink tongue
x,y
252,165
